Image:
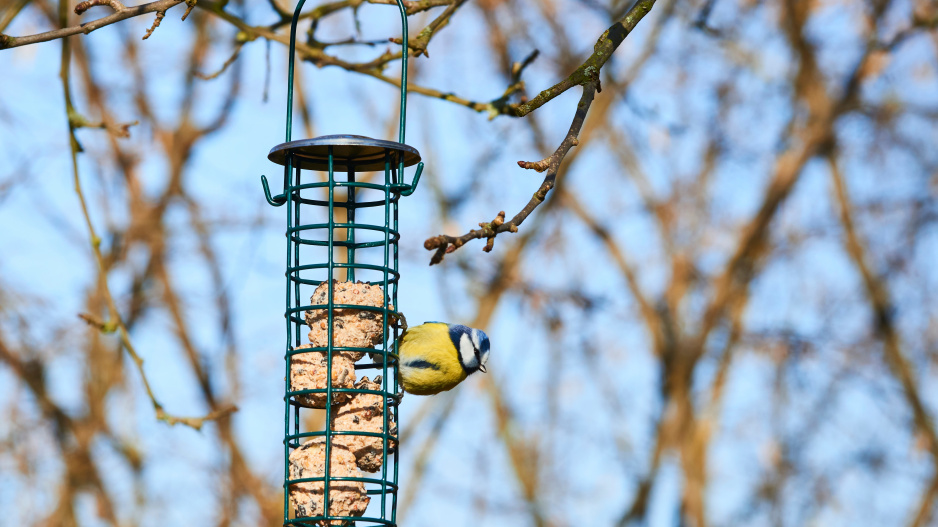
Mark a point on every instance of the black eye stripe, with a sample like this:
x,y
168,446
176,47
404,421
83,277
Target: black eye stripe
x,y
422,364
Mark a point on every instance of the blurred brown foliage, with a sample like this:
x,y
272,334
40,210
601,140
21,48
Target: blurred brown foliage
x,y
750,196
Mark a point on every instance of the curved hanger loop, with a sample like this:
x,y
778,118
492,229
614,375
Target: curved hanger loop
x,y
404,189
404,53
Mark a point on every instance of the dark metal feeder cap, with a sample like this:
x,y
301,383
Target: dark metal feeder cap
x,y
364,154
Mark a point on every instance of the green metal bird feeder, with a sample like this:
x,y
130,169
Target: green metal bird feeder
x,y
347,473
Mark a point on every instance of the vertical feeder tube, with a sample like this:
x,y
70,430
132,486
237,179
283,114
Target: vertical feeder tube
x,y
333,468
343,471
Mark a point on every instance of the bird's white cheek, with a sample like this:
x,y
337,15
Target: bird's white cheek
x,y
467,354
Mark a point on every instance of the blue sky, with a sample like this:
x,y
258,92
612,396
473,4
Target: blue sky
x,y
47,262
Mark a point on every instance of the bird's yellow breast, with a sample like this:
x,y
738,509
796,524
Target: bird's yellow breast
x,y
429,360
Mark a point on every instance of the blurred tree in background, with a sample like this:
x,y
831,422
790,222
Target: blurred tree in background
x,y
719,310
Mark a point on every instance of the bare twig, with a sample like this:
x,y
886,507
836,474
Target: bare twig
x,y
603,48
589,70
156,23
444,244
420,42
198,422
189,5
923,512
323,10
121,130
518,67
415,6
642,499
885,326
116,5
115,321
159,6
224,67
588,76
10,13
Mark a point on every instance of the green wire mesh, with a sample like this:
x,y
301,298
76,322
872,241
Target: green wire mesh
x,y
371,251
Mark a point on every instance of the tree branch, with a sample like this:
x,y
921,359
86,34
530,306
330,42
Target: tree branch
x,y
160,6
444,244
10,13
422,40
586,75
923,511
115,322
589,70
885,326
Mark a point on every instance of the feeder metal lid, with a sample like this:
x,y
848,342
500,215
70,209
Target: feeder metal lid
x,y
364,154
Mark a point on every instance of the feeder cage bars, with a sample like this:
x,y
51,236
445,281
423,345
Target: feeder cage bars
x,y
347,473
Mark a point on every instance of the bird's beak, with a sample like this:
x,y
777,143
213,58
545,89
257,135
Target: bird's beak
x,y
482,368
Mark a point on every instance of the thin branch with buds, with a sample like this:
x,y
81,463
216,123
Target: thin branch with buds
x,y
121,13
115,322
586,75
444,244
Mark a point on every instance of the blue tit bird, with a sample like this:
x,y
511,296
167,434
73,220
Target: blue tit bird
x,y
435,357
